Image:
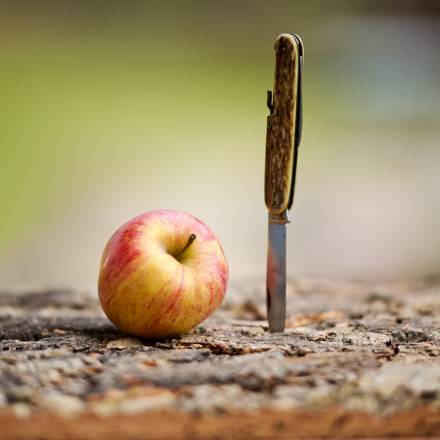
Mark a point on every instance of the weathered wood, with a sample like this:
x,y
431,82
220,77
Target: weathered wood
x,y
355,360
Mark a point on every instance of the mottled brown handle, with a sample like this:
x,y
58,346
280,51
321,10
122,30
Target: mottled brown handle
x,y
280,152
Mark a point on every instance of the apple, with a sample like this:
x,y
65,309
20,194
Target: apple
x,y
161,274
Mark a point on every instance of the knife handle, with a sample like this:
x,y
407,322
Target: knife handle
x,y
284,105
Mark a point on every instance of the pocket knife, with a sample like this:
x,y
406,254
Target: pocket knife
x,y
283,137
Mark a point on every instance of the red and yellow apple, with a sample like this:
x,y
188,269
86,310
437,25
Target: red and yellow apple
x,y
161,274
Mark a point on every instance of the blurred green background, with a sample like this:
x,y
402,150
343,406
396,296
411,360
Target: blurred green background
x,y
109,109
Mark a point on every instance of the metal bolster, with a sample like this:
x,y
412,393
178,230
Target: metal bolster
x,y
280,219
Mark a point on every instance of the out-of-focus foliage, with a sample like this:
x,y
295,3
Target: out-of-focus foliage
x,y
110,109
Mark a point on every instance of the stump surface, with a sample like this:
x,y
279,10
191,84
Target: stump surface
x,y
355,360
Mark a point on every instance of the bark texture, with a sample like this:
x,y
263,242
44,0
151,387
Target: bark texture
x,y
355,360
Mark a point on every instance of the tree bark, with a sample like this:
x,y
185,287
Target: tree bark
x,y
355,360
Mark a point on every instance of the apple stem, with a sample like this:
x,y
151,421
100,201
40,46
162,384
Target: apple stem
x,y
191,238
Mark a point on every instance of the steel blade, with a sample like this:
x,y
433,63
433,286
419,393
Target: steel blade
x,y
276,277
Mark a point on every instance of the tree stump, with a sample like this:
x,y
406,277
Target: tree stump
x,y
355,360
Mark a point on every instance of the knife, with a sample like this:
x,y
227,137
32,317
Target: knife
x,y
283,137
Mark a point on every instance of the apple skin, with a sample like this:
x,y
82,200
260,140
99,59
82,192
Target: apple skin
x,y
148,288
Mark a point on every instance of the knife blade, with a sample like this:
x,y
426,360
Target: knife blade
x,y
284,126
276,277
